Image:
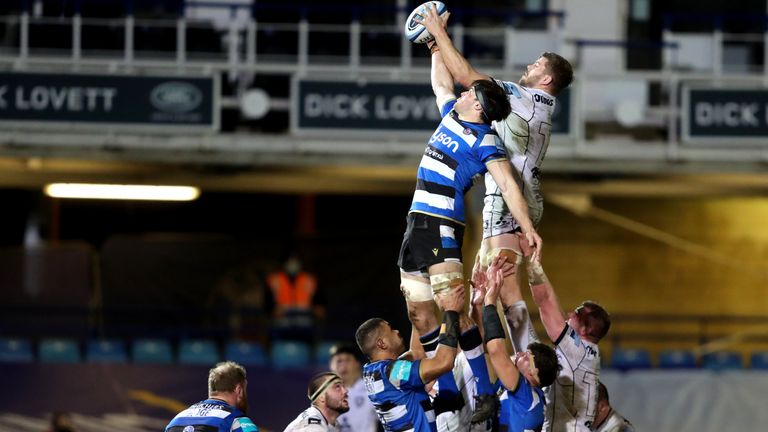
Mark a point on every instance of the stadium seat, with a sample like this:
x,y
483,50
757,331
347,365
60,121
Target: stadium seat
x,y
724,360
290,354
323,352
152,351
59,351
198,352
625,359
13,350
106,351
246,353
759,360
677,359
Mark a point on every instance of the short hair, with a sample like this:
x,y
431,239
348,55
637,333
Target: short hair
x,y
560,70
225,376
346,349
365,336
318,381
545,360
602,393
596,319
492,99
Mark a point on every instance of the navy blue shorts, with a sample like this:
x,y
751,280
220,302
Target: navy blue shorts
x,y
429,240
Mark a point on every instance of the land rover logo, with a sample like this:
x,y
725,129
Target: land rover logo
x,y
176,97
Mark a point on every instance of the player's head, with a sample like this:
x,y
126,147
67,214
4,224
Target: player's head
x,y
602,393
538,364
376,335
488,101
345,361
227,379
550,71
326,389
590,320
603,404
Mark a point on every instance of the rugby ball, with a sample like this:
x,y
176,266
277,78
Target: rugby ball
x,y
416,32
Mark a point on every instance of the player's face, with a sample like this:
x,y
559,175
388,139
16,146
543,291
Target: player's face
x,y
242,397
344,364
466,102
524,361
394,339
534,72
575,318
336,397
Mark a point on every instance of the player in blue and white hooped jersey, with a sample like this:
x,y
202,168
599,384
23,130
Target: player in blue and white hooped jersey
x,y
462,148
525,133
394,382
225,408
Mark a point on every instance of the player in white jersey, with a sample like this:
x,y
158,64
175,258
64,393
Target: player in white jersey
x,y
361,417
572,399
328,396
525,133
608,419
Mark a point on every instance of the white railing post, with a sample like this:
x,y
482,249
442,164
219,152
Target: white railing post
x,y
354,45
674,113
233,42
405,44
303,45
250,42
77,28
509,51
181,41
458,36
717,51
128,44
24,36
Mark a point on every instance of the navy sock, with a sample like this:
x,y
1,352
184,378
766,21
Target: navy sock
x,y
429,342
472,344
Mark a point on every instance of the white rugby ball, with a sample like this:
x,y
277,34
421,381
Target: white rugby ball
x,y
416,32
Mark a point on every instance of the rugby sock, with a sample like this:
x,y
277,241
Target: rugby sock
x,y
472,344
445,382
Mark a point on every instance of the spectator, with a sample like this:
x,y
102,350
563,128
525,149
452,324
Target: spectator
x,y
298,305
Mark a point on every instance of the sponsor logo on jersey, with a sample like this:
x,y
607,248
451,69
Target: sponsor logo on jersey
x,y
401,370
444,139
543,99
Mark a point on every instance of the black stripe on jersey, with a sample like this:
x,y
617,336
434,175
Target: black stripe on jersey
x,y
440,156
426,405
435,188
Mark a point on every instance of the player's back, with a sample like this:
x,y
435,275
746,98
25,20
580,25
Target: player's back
x,y
213,415
397,393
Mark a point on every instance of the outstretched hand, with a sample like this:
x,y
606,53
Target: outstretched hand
x,y
453,299
531,244
495,280
478,282
432,21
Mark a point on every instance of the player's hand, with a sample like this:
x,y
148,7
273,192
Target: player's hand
x,y
453,299
531,245
495,280
478,282
434,22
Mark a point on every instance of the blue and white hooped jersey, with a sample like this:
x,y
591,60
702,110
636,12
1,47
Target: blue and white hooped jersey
x,y
211,415
456,153
397,393
523,408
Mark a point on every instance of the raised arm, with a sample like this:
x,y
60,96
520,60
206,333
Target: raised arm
x,y
505,368
544,296
442,81
442,362
501,171
459,67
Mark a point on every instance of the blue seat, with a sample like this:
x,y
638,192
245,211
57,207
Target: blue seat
x,y
59,351
724,360
106,351
323,352
246,353
152,351
290,354
14,350
198,352
759,360
625,359
677,359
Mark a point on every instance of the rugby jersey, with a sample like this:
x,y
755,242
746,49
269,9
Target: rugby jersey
x,y
523,408
456,153
211,415
397,393
525,133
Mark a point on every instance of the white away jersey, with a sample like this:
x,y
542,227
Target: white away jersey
x,y
311,420
615,423
525,133
572,398
361,416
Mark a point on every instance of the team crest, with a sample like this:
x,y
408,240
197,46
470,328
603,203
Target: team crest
x,y
467,131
